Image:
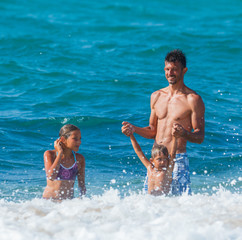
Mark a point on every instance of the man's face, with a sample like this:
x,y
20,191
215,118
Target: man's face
x,y
174,72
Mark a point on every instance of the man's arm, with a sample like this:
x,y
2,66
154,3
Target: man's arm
x,y
139,152
197,121
146,132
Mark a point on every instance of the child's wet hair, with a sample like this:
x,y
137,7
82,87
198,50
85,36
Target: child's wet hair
x,y
67,129
157,149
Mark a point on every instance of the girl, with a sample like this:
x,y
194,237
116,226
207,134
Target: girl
x,y
62,165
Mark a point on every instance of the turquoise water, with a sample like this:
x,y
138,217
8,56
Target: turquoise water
x,y
95,64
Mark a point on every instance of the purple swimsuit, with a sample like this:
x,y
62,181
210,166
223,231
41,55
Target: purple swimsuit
x,y
68,173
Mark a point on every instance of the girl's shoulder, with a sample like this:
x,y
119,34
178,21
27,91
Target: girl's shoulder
x,y
50,153
80,158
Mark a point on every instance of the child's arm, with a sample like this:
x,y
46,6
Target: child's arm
x,y
81,175
172,156
139,152
52,164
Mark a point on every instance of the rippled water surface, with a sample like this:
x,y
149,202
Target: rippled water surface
x,y
95,64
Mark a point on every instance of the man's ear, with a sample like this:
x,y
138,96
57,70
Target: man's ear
x,y
184,70
151,159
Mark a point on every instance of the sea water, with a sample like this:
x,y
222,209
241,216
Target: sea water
x,y
95,64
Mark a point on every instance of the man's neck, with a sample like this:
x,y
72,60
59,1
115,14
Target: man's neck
x,y
176,88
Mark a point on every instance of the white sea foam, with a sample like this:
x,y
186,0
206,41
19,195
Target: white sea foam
x,y
136,216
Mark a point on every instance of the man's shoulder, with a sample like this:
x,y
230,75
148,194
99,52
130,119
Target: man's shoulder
x,y
194,98
191,94
157,94
160,92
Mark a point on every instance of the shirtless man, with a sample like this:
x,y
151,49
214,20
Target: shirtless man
x,y
175,110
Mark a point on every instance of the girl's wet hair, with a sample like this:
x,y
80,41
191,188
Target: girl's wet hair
x,y
67,129
157,149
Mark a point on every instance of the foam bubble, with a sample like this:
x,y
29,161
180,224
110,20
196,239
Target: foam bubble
x,y
137,216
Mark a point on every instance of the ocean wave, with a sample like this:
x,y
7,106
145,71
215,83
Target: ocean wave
x,y
137,216
32,122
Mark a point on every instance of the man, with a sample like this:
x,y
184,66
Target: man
x,y
176,110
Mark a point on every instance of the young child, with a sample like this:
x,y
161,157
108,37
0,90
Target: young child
x,y
62,165
159,168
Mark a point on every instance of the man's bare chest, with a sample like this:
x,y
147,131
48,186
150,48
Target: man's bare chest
x,y
175,108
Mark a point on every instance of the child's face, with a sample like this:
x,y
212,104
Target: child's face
x,y
160,161
74,140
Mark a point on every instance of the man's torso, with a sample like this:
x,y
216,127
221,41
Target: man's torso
x,y
172,109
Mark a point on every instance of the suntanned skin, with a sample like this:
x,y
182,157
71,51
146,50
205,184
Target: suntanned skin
x,y
159,168
175,110
63,189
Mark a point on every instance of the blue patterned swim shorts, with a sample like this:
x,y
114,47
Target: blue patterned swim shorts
x,y
180,176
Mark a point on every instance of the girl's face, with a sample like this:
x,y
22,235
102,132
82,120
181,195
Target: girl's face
x,y
74,140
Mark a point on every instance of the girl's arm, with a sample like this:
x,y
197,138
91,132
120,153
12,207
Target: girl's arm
x,y
81,176
139,152
52,164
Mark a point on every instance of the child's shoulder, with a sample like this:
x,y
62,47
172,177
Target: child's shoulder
x,y
50,153
79,157
80,160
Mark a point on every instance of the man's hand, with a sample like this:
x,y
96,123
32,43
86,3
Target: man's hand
x,y
127,129
178,130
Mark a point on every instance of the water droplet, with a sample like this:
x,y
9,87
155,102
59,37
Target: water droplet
x,y
113,181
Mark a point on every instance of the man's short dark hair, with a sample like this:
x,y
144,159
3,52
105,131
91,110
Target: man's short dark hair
x,y
176,55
